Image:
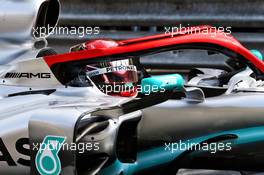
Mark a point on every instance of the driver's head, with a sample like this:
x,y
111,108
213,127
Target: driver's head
x,y
114,77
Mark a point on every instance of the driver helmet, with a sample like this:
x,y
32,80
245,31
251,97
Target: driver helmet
x,y
116,78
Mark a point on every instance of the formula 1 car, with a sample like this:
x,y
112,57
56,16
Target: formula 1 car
x,y
62,113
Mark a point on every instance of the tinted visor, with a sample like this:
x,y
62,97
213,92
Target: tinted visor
x,y
115,72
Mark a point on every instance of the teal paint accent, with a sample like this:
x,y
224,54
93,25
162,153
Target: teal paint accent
x,y
47,160
257,54
161,83
159,156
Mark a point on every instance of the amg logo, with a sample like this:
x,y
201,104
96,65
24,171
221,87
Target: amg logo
x,y
27,75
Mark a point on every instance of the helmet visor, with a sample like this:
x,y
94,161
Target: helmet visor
x,y
115,72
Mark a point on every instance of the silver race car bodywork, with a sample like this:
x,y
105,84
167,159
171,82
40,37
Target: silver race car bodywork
x,y
28,110
21,23
122,136
34,116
